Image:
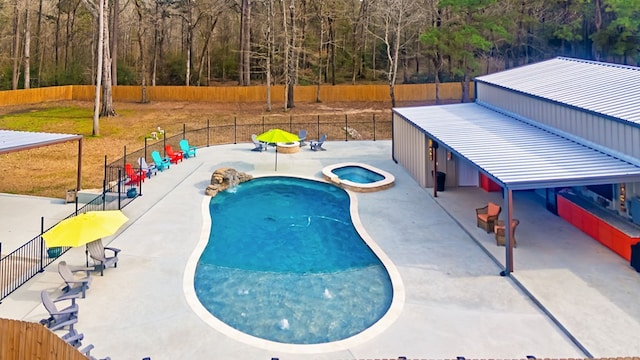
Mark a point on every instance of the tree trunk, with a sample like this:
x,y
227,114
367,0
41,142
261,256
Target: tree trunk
x,y
27,47
291,64
269,51
245,44
332,50
16,47
38,57
142,29
114,42
320,43
107,95
286,54
96,112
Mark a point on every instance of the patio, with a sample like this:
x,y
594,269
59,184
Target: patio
x,y
456,303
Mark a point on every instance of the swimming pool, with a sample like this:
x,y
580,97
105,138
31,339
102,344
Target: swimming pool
x,y
261,280
358,177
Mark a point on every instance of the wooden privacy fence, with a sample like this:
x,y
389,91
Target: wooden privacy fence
x,y
27,340
257,93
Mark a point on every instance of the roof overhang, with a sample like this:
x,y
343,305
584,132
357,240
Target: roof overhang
x,y
516,154
12,141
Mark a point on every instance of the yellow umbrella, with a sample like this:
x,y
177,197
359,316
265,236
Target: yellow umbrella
x,y
84,228
276,136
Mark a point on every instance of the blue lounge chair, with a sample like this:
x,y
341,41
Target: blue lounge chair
x,y
59,319
259,145
317,145
148,169
98,254
160,162
189,151
302,134
73,284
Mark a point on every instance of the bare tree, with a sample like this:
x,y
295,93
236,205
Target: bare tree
x,y
16,45
100,12
244,72
27,46
391,17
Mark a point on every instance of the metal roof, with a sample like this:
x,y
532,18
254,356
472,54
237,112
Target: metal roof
x,y
514,153
607,89
11,141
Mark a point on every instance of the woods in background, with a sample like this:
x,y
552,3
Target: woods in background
x,y
291,42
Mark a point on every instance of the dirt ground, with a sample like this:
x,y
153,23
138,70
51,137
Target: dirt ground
x,y
49,171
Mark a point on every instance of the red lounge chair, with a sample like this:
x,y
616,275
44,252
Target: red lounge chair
x,y
174,156
135,176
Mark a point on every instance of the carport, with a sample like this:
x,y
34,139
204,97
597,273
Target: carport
x,y
514,152
13,141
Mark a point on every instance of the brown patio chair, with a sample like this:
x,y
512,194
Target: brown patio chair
x,y
486,216
499,230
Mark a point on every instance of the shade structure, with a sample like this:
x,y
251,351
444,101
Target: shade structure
x,y
84,228
277,136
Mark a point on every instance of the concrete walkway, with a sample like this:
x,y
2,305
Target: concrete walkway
x,y
569,297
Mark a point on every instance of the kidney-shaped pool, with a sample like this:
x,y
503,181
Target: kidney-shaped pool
x,y
285,263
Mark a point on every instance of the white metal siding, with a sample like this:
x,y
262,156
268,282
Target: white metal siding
x,y
516,154
410,149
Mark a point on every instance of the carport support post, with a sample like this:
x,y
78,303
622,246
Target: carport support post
x,y
508,204
434,146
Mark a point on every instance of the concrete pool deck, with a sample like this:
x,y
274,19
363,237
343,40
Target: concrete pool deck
x,y
456,303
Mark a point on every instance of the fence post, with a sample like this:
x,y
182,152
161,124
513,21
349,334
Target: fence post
x,y
262,123
318,125
208,130
164,143
184,130
235,129
124,158
41,244
374,126
119,190
346,128
291,122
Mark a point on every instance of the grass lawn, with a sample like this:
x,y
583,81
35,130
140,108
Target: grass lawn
x,y
49,171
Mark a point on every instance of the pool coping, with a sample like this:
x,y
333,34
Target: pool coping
x,y
391,315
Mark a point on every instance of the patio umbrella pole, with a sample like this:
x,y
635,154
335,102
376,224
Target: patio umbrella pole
x,y
276,157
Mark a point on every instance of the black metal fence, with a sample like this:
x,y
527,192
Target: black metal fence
x,y
31,258
17,267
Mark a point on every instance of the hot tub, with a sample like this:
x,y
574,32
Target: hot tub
x,y
358,177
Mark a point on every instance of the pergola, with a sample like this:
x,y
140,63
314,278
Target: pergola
x,y
14,141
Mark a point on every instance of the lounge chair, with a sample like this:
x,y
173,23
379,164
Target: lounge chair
x,y
160,162
302,134
86,351
187,150
98,254
58,319
317,145
73,338
135,176
148,169
259,145
174,156
486,216
73,285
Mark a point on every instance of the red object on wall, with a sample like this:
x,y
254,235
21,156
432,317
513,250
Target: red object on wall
x,y
488,185
600,230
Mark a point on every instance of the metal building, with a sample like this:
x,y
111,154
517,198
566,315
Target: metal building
x,y
558,124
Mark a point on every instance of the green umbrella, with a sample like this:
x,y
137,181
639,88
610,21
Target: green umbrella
x,y
275,136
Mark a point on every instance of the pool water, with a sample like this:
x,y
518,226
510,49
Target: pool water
x,y
357,174
285,263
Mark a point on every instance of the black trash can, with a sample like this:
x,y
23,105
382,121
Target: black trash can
x,y
440,178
